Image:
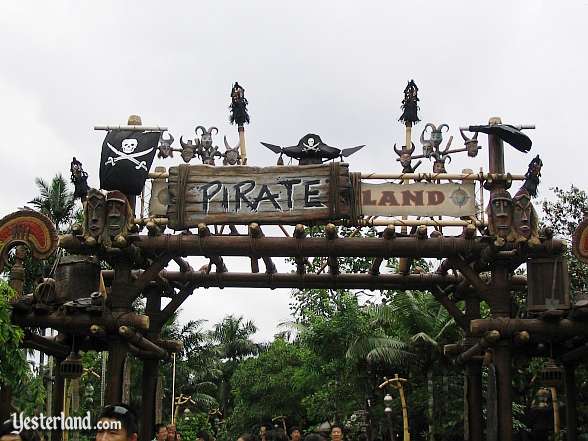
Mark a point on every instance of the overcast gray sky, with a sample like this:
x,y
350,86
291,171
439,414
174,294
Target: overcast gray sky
x,y
334,68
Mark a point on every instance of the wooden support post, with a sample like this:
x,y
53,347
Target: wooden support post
x,y
571,402
114,371
501,307
500,304
57,400
150,368
473,379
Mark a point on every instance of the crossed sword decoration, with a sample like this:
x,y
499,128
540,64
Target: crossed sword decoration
x,y
129,156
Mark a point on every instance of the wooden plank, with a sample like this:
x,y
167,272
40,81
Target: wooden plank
x,y
418,199
242,194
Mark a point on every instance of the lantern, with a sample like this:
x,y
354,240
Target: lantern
x,y
541,400
551,375
548,284
72,366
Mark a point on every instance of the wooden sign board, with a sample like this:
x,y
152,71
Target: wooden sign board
x,y
269,195
580,241
418,199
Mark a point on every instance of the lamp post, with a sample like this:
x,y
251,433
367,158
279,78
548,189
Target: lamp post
x,y
388,413
397,383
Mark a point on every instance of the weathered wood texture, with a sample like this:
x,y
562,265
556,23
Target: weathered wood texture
x,y
193,245
270,195
418,199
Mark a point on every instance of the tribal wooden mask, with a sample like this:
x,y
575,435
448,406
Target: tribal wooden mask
x,y
524,219
118,219
500,214
94,216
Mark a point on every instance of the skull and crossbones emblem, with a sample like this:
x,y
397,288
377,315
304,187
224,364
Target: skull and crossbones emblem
x,y
311,146
128,147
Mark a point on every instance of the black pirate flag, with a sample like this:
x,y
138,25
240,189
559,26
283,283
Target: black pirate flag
x,y
126,158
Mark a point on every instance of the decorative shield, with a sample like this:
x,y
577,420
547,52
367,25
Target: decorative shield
x,y
580,241
30,228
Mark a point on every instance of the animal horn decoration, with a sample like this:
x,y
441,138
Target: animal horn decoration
x,y
426,143
170,140
200,127
448,144
188,149
471,144
231,155
405,158
165,146
186,145
227,144
211,129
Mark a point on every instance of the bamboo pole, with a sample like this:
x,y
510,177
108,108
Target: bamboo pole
x,y
403,262
103,378
385,221
380,221
173,400
556,418
134,128
242,146
409,176
481,176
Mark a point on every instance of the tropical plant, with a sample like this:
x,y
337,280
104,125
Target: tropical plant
x,y
55,200
232,338
418,320
15,371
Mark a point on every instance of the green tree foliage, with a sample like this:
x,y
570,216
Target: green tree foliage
x,y
232,338
273,384
15,371
189,424
563,216
55,200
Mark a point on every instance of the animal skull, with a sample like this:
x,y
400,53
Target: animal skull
x,y
129,145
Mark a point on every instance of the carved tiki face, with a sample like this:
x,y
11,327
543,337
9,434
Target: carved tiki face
x,y
95,213
439,166
500,214
187,153
523,215
119,213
